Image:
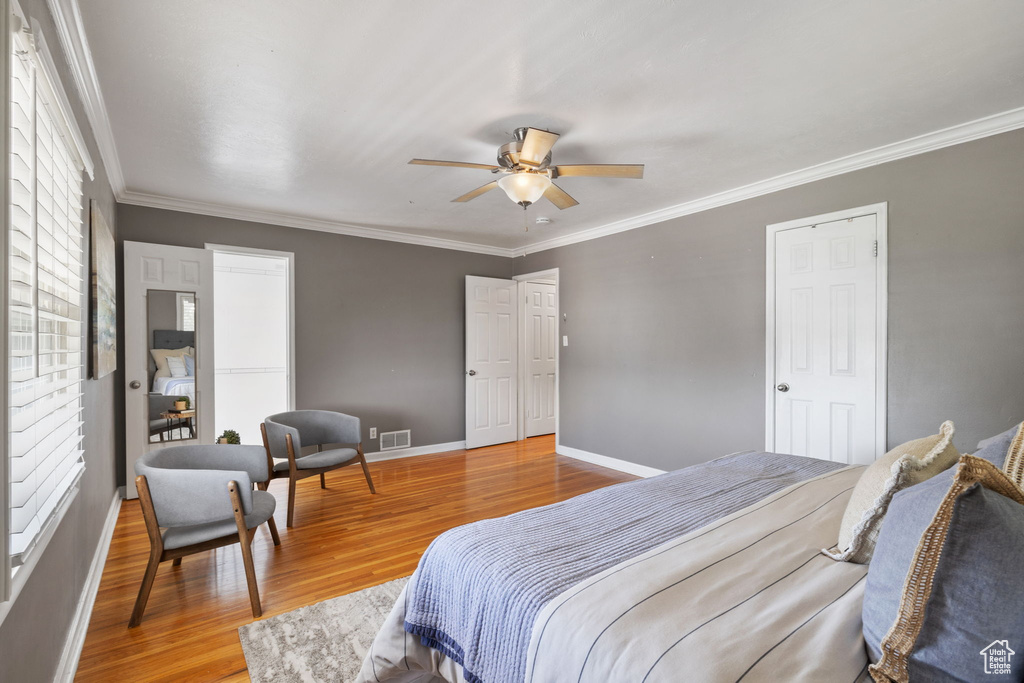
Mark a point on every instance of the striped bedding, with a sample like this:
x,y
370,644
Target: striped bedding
x,y
486,589
747,598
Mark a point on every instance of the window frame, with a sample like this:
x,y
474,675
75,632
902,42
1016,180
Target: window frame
x,y
12,18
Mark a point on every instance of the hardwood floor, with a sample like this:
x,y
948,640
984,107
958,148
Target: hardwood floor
x,y
345,539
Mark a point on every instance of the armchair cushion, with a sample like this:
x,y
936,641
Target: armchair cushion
x,y
335,456
263,506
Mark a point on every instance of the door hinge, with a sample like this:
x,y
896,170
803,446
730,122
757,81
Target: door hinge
x,y
876,248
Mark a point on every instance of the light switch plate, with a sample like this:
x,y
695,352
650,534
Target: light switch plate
x,y
565,340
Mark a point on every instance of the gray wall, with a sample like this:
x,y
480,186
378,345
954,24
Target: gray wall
x,y
161,314
665,365
33,634
379,325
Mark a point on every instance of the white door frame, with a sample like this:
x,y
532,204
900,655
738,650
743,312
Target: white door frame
x,y
881,211
551,274
290,283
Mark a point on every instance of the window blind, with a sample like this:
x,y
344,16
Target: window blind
x,y
46,317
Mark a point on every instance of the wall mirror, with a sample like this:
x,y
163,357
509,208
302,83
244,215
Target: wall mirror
x,y
171,332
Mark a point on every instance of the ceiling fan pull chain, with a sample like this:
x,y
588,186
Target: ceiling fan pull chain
x,y
526,224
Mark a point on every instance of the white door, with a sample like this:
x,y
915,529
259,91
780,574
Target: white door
x,y
826,323
541,331
155,275
492,356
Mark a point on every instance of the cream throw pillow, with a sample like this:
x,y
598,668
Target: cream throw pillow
x,y
160,358
902,467
176,364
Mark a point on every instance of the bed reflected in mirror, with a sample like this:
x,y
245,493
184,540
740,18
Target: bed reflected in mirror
x,y
171,319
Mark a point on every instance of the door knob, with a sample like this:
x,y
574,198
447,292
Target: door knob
x,y
471,373
134,384
783,387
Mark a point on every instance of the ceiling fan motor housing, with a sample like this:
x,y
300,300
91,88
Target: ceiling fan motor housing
x,y
508,154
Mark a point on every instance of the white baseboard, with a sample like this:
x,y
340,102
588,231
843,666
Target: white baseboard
x,y
415,450
80,624
610,463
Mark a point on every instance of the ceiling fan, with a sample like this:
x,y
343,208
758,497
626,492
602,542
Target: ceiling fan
x,y
527,171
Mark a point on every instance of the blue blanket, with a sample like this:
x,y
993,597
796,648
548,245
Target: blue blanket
x,y
479,587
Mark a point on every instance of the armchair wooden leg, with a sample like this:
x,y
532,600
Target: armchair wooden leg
x,y
323,481
291,502
147,585
366,472
250,574
177,562
273,531
245,540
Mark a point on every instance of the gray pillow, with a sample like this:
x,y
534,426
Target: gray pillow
x,y
994,448
976,595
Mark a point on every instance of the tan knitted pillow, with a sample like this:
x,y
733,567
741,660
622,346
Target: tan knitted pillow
x,y
906,465
1014,464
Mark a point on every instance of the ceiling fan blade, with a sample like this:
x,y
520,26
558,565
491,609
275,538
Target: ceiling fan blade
x,y
602,170
559,197
477,192
458,164
536,146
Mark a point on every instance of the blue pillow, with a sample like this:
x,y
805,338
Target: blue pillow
x,y
976,597
190,365
994,448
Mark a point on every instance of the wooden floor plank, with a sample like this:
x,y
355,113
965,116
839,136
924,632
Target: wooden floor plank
x,y
344,539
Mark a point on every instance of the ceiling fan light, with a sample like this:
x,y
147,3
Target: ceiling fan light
x,y
524,188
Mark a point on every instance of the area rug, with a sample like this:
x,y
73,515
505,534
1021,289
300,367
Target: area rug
x,y
326,641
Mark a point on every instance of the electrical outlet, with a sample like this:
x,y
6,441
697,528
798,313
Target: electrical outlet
x,y
373,432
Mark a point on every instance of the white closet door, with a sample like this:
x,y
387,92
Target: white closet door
x,y
825,326
541,331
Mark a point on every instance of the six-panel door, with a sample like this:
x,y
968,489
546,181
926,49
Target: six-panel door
x,y
825,324
491,361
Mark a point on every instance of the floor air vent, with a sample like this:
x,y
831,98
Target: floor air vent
x,y
389,441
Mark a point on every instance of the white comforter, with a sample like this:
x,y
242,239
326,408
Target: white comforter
x,y
176,386
748,597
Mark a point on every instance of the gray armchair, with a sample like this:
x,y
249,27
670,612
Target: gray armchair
x,y
286,434
196,498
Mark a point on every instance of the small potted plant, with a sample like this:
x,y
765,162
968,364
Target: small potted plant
x,y
182,403
229,436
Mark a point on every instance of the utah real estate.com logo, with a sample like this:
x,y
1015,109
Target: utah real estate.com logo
x,y
997,657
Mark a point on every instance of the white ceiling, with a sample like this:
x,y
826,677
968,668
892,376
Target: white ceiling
x,y
312,109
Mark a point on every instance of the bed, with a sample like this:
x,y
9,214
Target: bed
x,y
176,386
173,386
709,573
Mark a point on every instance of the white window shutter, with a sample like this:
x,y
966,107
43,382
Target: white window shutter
x,y
47,283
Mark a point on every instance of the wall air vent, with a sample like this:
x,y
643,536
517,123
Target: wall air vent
x,y
389,441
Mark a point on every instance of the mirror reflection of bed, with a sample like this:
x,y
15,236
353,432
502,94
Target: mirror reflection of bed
x,y
172,382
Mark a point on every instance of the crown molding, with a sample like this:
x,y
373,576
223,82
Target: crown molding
x,y
68,19
271,218
947,137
